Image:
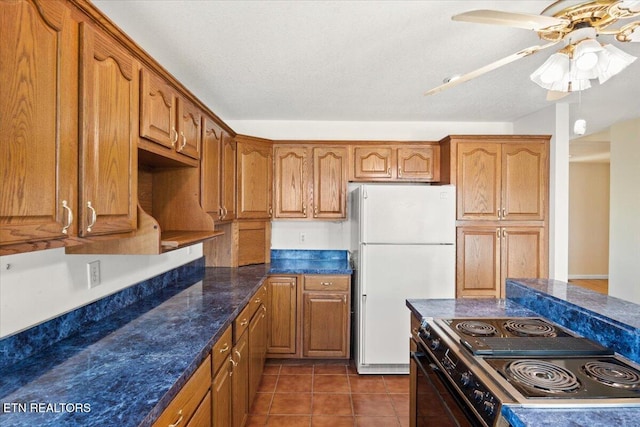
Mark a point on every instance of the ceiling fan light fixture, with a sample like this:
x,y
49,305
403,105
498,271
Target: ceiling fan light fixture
x,y
552,71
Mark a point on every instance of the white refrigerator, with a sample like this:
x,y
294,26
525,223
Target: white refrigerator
x,y
403,247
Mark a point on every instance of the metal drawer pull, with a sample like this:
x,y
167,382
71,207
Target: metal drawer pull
x,y
239,355
174,136
184,141
69,217
178,421
94,216
257,301
326,283
225,348
244,322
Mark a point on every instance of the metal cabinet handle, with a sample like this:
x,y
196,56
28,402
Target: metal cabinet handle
x,y
400,172
304,209
504,233
69,217
174,136
315,211
388,171
239,356
499,216
257,300
233,365
344,299
94,216
225,348
178,421
504,213
498,233
326,283
244,322
184,141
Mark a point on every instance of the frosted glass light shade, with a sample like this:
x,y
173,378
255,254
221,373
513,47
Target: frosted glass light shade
x,y
585,55
611,61
552,71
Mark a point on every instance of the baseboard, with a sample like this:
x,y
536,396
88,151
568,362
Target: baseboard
x,y
588,276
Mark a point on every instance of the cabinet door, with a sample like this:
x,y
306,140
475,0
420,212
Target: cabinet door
x,y
108,113
329,182
282,318
254,180
189,129
478,262
478,180
257,350
228,177
240,381
221,396
418,164
325,320
524,181
291,182
524,253
202,416
210,167
157,110
38,122
372,163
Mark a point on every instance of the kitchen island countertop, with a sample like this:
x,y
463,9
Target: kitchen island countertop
x,y
531,292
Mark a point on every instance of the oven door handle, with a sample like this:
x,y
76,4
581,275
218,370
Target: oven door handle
x,y
416,355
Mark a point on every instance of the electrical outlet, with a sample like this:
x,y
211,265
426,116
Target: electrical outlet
x,y
303,237
93,274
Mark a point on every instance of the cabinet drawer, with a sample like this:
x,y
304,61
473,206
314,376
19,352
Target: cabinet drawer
x,y
222,349
184,405
326,283
242,321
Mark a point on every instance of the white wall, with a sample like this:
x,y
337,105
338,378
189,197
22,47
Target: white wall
x,y
554,121
390,131
588,220
624,235
38,286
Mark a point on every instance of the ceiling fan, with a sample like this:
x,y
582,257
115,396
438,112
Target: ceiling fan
x,y
573,24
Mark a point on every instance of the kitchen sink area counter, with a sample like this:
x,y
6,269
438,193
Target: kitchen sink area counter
x,y
586,313
126,368
298,261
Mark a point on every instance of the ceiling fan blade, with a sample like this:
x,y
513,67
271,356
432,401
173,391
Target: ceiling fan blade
x,y
554,95
517,20
490,67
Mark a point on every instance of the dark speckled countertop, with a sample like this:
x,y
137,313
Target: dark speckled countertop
x,y
287,261
130,365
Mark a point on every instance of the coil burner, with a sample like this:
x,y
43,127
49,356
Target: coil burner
x,y
476,328
530,328
542,375
612,374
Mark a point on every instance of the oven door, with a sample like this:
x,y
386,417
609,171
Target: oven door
x,y
434,402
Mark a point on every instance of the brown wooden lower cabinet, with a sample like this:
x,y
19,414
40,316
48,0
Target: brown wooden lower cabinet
x,y
282,323
240,381
488,255
202,416
310,316
221,396
188,400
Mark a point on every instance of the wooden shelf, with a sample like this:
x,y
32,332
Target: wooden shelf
x,y
175,239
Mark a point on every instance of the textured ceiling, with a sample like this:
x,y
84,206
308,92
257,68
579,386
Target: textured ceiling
x,y
356,60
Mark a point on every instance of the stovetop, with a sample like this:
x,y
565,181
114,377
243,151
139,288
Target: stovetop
x,y
570,378
520,337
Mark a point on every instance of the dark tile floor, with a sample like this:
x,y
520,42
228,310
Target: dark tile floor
x,y
328,394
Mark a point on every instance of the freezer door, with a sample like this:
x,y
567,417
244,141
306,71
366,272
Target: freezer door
x,y
390,275
408,214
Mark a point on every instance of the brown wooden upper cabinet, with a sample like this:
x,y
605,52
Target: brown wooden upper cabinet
x,y
402,162
502,181
218,193
254,171
310,182
168,120
38,111
108,162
